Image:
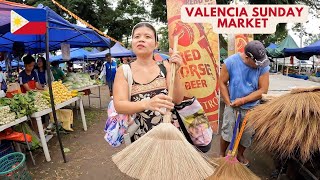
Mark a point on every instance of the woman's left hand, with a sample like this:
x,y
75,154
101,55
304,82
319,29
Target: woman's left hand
x,y
175,58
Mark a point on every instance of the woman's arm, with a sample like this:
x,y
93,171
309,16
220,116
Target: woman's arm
x,y
121,96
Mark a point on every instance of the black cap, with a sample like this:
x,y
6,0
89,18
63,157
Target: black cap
x,y
256,51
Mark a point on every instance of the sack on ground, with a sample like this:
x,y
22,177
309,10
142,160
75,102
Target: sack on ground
x,y
65,116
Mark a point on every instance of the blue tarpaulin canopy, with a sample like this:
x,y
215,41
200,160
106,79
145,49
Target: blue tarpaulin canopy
x,y
94,50
116,51
60,31
14,63
75,54
272,46
313,49
278,52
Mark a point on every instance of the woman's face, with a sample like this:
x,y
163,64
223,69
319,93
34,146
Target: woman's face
x,y
143,41
39,63
125,60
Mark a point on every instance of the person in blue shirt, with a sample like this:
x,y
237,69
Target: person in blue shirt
x,y
28,77
109,71
244,78
41,70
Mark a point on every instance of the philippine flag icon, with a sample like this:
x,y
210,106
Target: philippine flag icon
x,y
28,21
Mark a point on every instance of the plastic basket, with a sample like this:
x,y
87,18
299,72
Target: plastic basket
x,y
13,167
5,148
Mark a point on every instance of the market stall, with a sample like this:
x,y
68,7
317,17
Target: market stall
x,y
81,82
38,115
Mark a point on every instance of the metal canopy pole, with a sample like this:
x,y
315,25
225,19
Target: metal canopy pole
x,y
50,91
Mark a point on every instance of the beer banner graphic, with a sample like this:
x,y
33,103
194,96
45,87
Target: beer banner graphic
x,y
241,41
199,48
231,44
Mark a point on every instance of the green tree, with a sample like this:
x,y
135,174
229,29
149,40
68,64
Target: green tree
x,y
163,41
118,23
126,15
311,39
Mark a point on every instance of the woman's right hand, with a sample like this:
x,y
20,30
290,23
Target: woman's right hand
x,y
158,103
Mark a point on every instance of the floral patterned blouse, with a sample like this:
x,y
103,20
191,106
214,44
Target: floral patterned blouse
x,y
148,119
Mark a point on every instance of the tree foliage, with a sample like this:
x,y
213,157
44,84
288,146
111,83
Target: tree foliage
x,y
163,41
311,39
117,22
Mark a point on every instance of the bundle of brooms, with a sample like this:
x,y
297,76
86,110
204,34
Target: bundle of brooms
x,y
289,125
163,152
229,167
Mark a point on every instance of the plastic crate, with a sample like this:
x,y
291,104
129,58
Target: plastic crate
x,y
13,167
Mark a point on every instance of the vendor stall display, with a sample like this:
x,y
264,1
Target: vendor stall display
x,y
289,124
78,80
6,115
60,92
21,104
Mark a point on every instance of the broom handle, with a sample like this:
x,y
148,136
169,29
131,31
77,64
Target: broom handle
x,y
234,135
167,116
240,134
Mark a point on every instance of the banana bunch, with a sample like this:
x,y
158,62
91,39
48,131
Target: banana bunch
x,y
60,92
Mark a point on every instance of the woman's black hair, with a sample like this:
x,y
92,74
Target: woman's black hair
x,y
28,59
41,58
148,25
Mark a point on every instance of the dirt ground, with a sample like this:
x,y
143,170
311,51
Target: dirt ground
x,y
90,155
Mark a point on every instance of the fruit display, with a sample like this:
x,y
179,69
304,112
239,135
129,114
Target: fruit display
x,y
6,115
78,80
60,92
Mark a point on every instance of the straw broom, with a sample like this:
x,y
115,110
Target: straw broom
x,y
289,125
163,152
229,166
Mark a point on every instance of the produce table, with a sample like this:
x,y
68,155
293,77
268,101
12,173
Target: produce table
x,y
15,122
38,115
91,87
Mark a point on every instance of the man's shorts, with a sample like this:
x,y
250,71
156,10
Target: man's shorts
x,y
110,85
229,121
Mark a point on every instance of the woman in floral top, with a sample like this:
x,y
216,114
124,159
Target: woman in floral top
x,y
150,83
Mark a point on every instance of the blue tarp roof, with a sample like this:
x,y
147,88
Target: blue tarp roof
x,y
116,51
94,50
75,54
272,46
60,30
14,63
313,49
278,52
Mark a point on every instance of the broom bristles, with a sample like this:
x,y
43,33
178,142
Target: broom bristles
x,y
230,169
162,153
288,125
305,89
